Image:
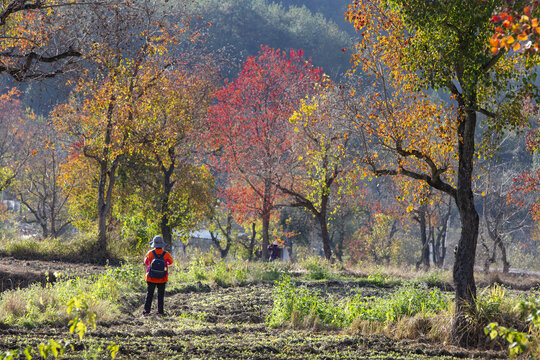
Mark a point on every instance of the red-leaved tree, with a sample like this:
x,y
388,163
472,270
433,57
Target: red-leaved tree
x,y
250,126
527,184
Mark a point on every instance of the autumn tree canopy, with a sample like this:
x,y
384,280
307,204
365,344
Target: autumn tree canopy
x,y
321,170
170,118
249,126
101,116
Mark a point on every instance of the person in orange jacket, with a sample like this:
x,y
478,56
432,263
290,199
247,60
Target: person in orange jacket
x,y
157,262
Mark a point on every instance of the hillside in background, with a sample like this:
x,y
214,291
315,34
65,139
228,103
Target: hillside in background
x,y
239,28
242,26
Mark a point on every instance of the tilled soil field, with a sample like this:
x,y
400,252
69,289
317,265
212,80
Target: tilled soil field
x,y
226,323
15,273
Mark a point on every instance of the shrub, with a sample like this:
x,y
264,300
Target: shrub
x,y
317,268
521,341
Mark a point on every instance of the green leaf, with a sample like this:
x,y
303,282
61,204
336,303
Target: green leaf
x,y
27,353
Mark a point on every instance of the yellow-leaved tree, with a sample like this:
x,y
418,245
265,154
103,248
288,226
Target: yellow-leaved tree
x,y
411,48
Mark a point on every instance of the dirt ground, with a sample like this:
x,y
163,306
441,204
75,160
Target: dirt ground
x,y
15,273
215,323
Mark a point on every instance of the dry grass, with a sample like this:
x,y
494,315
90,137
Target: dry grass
x,y
366,327
411,327
13,305
435,328
522,282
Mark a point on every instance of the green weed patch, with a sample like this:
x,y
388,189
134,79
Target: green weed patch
x,y
201,272
300,306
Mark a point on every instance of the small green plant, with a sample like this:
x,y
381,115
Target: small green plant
x,y
113,350
432,279
317,269
221,274
377,279
78,306
297,303
197,269
272,272
241,273
50,348
9,355
520,341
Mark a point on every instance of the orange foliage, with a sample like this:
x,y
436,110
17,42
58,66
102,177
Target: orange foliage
x,y
406,132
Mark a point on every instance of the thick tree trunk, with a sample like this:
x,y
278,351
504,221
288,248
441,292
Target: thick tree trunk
x,y
45,230
325,237
265,236
166,231
463,271
167,184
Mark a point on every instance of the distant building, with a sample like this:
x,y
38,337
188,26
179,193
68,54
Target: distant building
x,y
12,205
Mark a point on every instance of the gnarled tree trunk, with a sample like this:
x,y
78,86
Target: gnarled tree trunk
x,y
463,271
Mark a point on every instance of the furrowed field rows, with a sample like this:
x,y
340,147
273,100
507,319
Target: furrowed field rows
x,y
228,323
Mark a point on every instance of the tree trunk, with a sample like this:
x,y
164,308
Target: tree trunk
x,y
498,243
104,189
493,231
463,271
52,208
439,245
45,230
102,210
424,253
267,208
252,242
223,251
168,183
325,236
506,264
338,247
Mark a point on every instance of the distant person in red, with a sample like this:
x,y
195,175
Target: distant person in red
x,y
157,263
274,252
